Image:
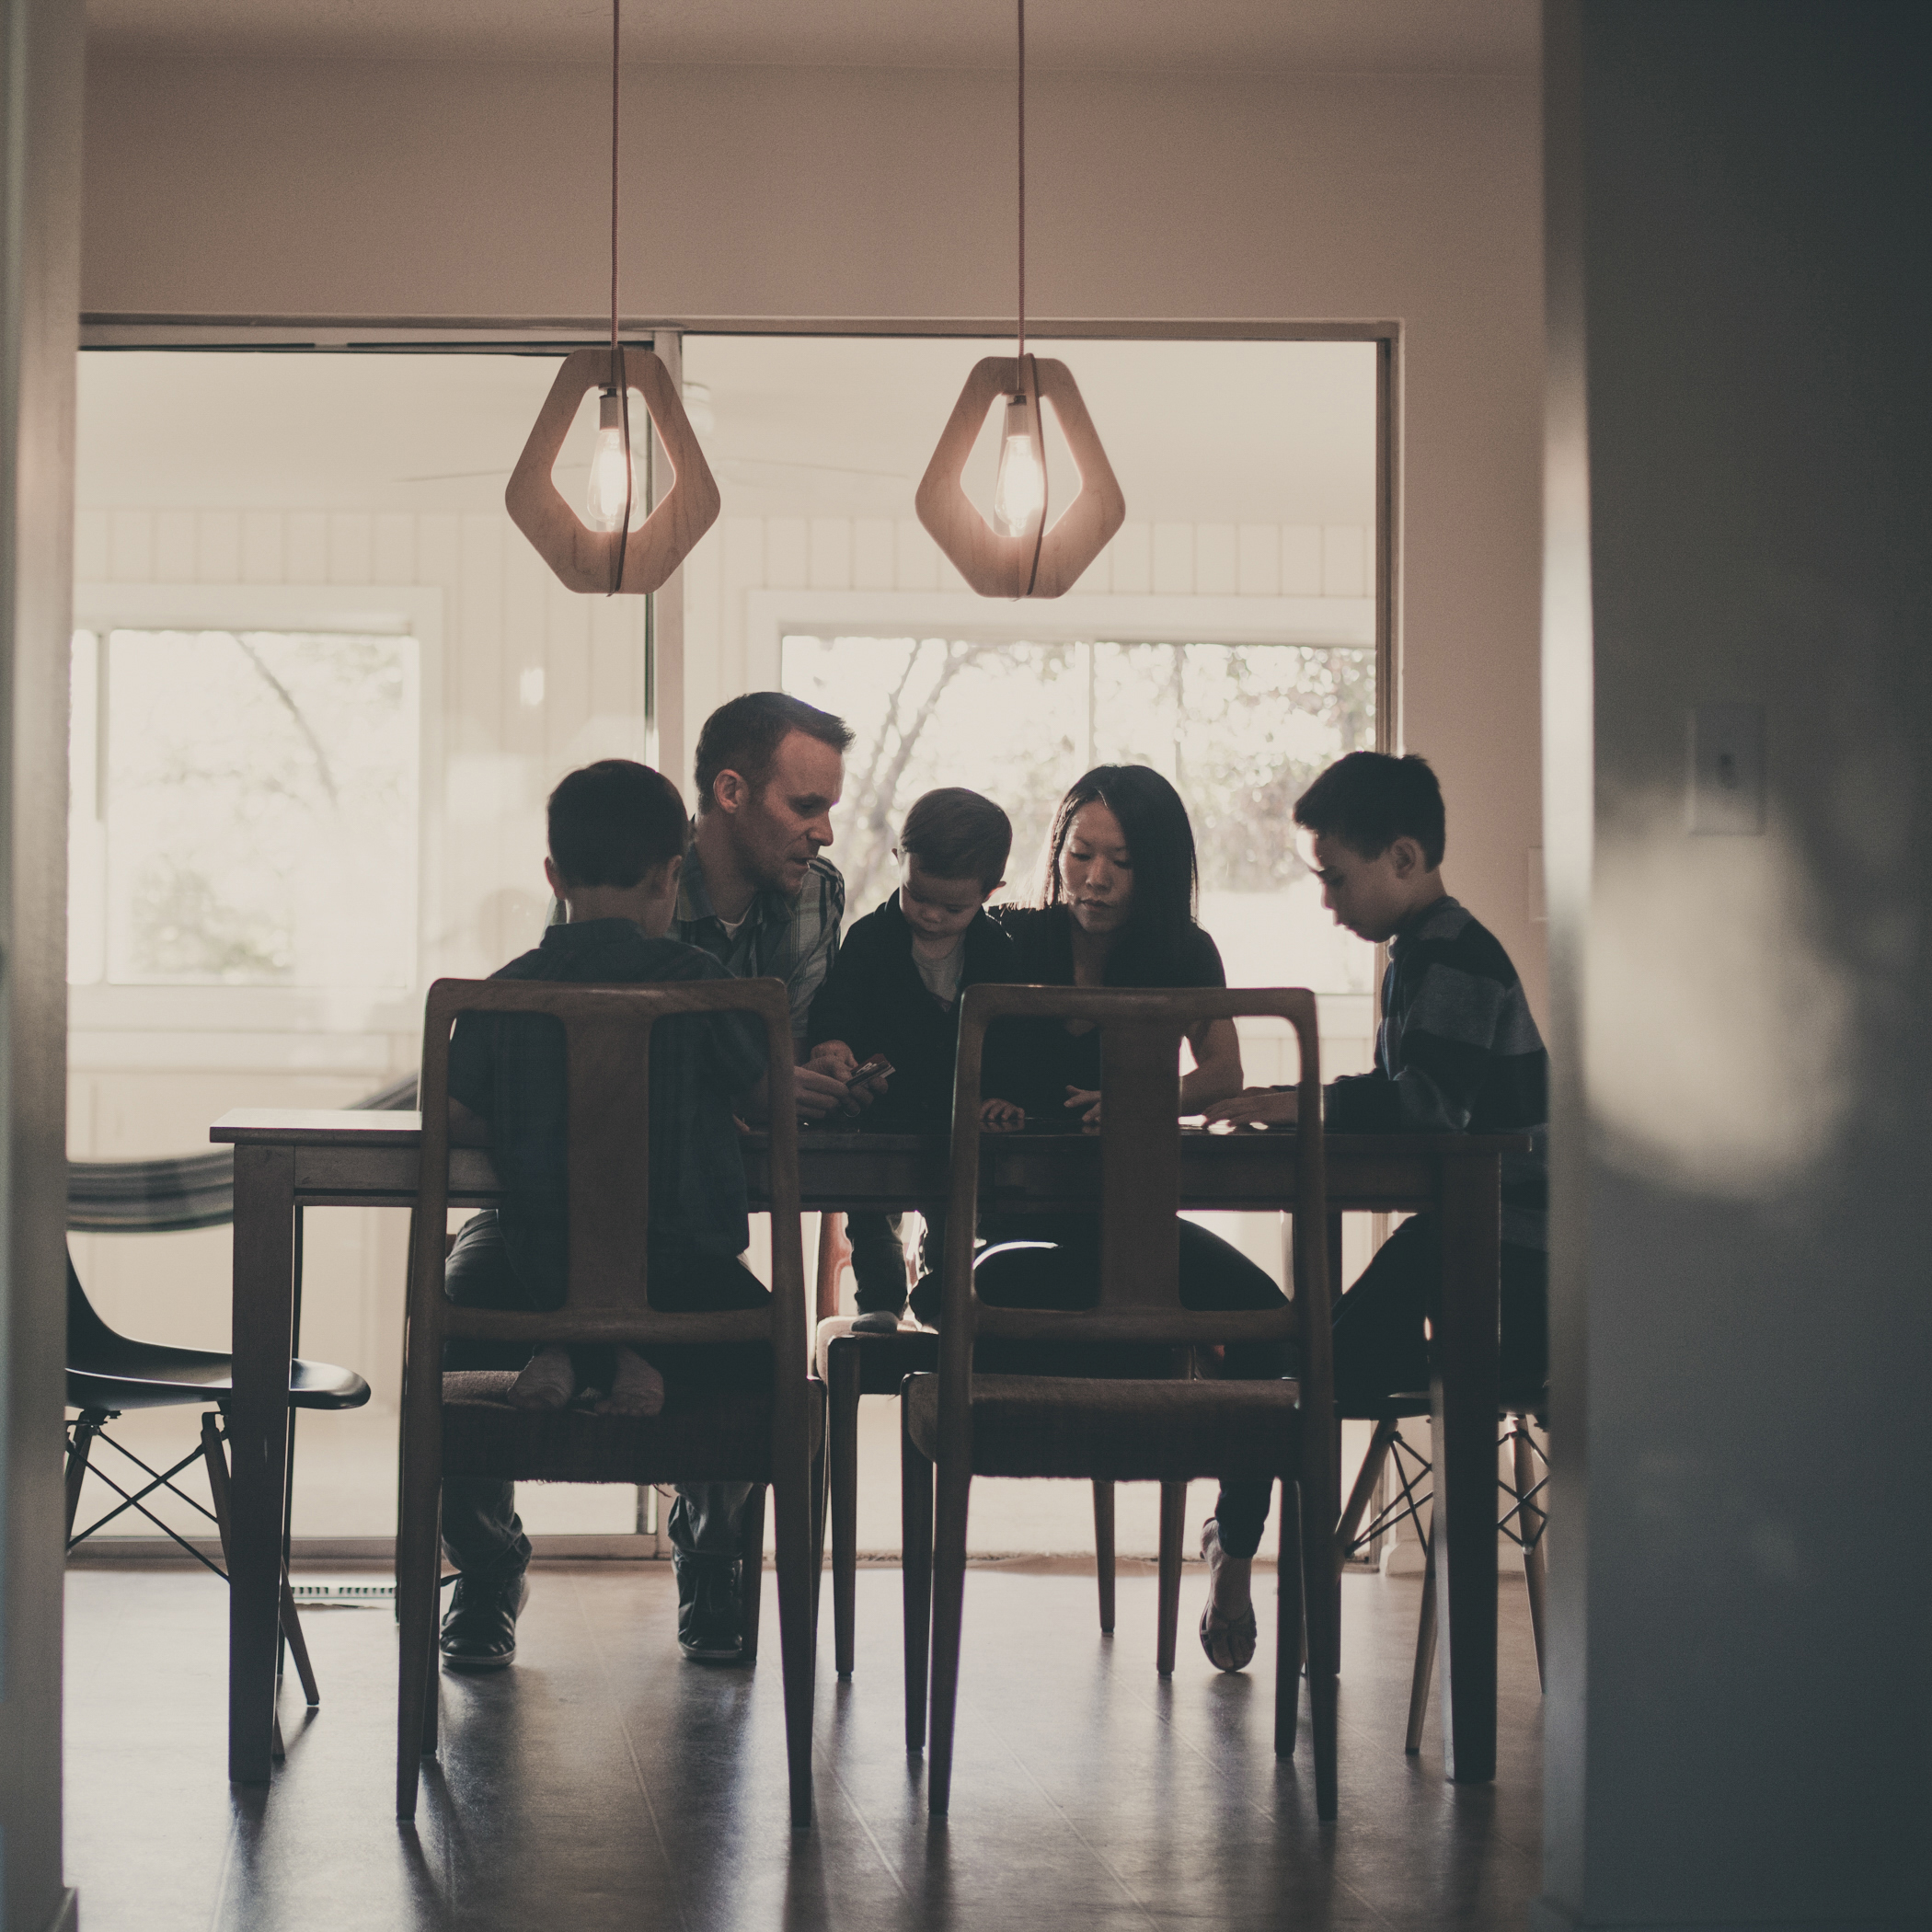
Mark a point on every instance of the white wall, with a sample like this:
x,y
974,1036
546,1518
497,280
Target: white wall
x,y
420,188
1740,423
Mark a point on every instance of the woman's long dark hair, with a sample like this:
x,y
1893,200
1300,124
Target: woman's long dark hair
x,y
1160,843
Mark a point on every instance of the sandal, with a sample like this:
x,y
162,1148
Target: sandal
x,y
1229,1641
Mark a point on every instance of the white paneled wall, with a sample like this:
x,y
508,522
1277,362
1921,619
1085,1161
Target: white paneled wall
x,y
747,554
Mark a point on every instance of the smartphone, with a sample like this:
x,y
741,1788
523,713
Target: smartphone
x,y
873,1068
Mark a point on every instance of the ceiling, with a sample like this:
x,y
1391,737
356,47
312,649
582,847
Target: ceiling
x,y
1334,36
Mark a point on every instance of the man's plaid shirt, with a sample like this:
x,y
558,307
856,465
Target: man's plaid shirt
x,y
795,940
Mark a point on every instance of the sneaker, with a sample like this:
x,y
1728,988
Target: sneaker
x,y
709,1630
479,1626
879,1321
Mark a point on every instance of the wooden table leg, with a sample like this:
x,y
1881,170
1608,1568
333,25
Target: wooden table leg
x,y
1333,1503
257,1442
288,1473
1464,1393
842,1368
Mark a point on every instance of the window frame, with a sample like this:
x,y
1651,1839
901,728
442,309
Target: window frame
x,y
1316,623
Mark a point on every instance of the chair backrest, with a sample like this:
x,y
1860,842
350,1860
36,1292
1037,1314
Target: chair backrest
x,y
607,1047
1138,1198
90,1339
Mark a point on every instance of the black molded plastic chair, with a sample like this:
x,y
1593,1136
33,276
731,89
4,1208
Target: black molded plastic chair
x,y
109,1373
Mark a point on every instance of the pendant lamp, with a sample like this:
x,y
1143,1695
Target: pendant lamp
x,y
1017,555
597,550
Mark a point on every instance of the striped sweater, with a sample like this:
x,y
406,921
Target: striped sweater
x,y
1458,1052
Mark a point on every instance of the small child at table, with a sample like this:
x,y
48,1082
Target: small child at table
x,y
1457,1052
893,993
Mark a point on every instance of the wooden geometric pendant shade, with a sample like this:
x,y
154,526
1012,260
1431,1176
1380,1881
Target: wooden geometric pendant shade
x,y
583,558
1038,562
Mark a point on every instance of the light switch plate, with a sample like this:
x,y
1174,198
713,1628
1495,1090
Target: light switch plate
x,y
1727,769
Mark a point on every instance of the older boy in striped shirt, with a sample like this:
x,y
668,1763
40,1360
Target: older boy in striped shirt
x,y
1457,1052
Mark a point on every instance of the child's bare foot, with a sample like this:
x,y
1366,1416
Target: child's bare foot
x,y
637,1389
548,1382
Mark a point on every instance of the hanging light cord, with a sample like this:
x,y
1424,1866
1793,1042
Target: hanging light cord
x,y
617,11
618,379
1019,360
1020,353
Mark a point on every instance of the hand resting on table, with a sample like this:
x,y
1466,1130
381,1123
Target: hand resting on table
x,y
1255,1107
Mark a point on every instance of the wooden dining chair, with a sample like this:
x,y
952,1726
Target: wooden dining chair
x,y
462,1423
960,1423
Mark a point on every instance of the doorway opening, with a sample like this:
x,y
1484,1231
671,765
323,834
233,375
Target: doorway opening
x,y
385,677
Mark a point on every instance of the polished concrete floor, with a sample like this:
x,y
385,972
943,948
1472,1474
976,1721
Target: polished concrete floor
x,y
603,1782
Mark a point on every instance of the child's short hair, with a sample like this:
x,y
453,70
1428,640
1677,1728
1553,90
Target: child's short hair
x,y
744,733
613,823
955,833
1368,799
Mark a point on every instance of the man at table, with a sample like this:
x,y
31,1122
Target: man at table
x,y
756,896
761,898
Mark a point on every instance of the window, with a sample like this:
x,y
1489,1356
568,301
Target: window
x,y
1239,729
243,809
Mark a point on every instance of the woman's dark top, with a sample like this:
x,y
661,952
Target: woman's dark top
x,y
1038,1060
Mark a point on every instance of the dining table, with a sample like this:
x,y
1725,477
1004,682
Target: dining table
x,y
290,1160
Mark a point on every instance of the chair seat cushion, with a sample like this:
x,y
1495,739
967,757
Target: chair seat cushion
x,y
1126,1431
700,1435
884,1361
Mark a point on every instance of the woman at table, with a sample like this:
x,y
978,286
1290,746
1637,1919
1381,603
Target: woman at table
x,y
1121,888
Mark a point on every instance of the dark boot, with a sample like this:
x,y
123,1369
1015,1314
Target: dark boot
x,y
480,1628
710,1625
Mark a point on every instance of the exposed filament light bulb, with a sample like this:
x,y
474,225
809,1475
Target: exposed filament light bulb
x,y
614,477
1020,490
